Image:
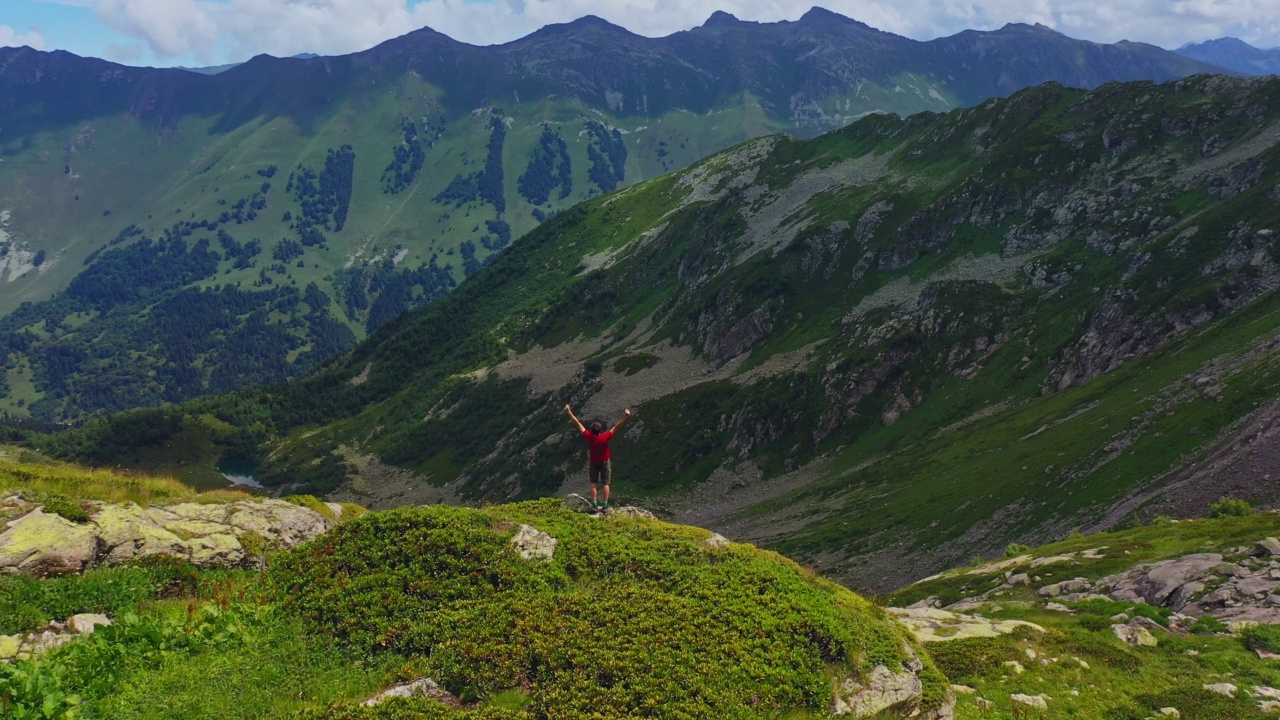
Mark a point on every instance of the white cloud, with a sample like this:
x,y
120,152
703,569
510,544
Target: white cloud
x,y
222,30
10,38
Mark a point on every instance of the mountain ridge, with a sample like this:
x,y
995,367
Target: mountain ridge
x,y
312,200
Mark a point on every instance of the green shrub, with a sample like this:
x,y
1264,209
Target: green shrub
x,y
967,659
68,509
1262,637
1161,520
1095,622
1208,624
27,603
1230,507
1195,702
1016,549
36,691
629,615
311,502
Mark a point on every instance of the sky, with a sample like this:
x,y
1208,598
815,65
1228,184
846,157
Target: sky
x,y
212,32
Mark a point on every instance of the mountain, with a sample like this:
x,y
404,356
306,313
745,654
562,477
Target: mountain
x,y
216,69
881,351
1234,54
177,234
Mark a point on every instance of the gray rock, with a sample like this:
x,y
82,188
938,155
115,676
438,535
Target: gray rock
x,y
1269,547
418,687
1019,579
1133,635
87,623
1156,582
882,691
1185,595
929,602
632,511
45,544
1066,586
1222,689
1038,702
533,544
716,541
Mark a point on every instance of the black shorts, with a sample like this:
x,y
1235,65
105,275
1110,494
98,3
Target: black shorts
x,y
600,472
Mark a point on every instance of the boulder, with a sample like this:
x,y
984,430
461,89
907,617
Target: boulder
x,y
126,532
1268,547
1170,712
1266,693
45,544
221,549
1134,635
930,624
882,691
1226,689
1037,702
418,687
1018,579
1066,586
1155,583
716,541
533,544
9,646
86,623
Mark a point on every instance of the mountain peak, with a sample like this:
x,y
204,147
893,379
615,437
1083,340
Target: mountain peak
x,y
721,18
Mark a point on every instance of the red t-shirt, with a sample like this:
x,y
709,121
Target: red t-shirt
x,y
598,444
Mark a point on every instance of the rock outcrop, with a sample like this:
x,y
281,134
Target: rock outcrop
x,y
54,635
230,535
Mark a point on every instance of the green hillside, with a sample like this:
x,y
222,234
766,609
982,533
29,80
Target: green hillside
x,y
586,617
881,351
179,234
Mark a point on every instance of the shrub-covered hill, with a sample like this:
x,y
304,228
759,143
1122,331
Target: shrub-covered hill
x,y
628,616
520,612
880,351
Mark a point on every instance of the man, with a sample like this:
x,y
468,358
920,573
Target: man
x,y
599,468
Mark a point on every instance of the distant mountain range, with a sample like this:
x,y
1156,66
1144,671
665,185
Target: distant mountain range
x,y
1234,54
178,233
217,69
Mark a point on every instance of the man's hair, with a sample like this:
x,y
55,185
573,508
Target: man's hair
x,y
596,427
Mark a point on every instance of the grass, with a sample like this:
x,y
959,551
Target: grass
x,y
47,479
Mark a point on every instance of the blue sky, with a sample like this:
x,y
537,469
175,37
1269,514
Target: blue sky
x,y
210,32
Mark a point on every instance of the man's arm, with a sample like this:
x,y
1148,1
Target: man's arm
x,y
626,415
569,411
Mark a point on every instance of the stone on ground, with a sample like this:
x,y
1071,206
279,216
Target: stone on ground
x,y
533,544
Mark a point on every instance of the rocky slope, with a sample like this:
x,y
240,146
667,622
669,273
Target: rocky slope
x,y
1171,619
181,234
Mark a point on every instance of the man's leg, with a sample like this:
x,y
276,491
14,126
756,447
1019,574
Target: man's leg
x,y
607,476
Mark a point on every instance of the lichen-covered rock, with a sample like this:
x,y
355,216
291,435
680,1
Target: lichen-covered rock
x,y
222,549
418,687
716,541
85,623
1037,702
1226,689
126,533
934,625
1134,635
533,544
45,544
883,691
9,646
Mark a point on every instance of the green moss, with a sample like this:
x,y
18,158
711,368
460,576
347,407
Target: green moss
x,y
70,509
313,503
